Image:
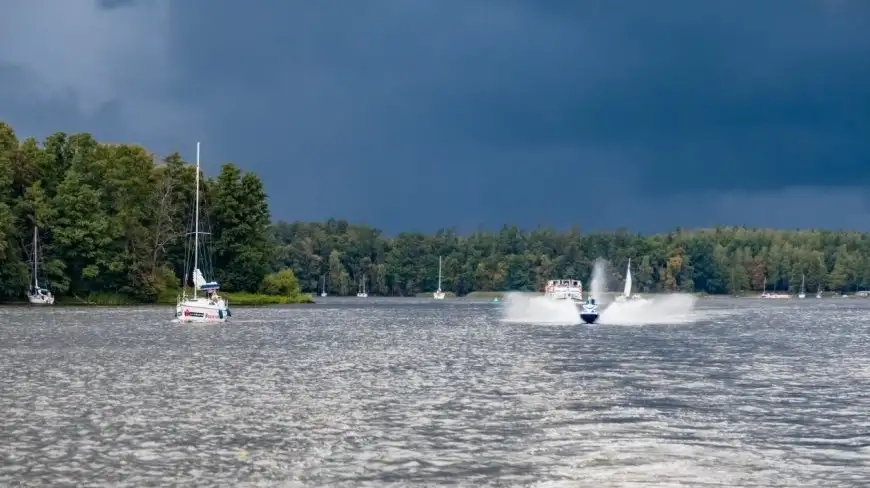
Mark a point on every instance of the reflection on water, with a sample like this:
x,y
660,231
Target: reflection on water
x,y
420,393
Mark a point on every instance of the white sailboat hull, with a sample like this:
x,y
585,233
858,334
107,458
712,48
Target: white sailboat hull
x,y
37,295
202,310
438,295
40,299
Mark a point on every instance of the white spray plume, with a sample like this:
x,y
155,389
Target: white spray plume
x,y
667,309
524,308
598,285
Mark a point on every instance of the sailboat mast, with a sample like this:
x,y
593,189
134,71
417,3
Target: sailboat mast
x,y
196,224
439,273
35,279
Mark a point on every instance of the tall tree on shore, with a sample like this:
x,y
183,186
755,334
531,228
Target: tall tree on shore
x,y
241,223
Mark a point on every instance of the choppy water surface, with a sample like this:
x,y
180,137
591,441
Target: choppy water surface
x,y
414,393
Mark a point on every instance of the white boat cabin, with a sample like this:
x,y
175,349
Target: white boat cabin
x,y
564,290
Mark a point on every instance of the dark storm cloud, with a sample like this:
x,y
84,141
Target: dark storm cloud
x,y
421,114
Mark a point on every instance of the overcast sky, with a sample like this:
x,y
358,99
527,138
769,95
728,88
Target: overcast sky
x,y
419,114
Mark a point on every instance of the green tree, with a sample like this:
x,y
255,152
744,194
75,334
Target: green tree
x,y
282,283
241,216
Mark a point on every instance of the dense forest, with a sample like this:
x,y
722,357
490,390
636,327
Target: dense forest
x,y
114,218
716,261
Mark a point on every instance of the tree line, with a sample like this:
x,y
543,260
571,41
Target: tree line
x,y
113,218
714,261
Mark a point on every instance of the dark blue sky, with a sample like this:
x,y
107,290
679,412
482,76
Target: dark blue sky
x,y
412,115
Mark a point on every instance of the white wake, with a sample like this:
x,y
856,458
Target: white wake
x,y
523,308
677,308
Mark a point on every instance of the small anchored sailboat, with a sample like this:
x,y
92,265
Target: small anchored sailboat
x,y
362,290
803,292
439,295
323,289
209,307
774,295
37,295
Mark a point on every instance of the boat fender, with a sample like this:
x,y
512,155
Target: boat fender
x,y
229,314
220,313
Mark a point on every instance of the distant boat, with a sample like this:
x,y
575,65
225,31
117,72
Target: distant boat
x,y
362,290
439,295
323,290
803,293
38,295
819,291
564,290
211,307
626,292
765,294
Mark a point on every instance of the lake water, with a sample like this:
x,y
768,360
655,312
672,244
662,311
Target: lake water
x,y
382,392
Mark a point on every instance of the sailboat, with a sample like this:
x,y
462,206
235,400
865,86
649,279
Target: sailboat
x,y
38,295
626,292
323,290
765,294
819,291
208,307
362,293
803,293
439,295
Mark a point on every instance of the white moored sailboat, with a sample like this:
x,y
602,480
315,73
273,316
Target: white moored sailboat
x,y
37,295
626,292
323,290
439,295
362,290
208,307
803,293
774,295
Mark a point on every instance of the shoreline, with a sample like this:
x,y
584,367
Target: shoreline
x,y
167,300
247,300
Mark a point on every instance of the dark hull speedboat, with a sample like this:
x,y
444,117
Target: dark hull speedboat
x,y
589,313
589,318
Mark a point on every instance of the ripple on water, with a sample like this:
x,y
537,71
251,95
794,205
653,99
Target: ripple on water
x,y
405,393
